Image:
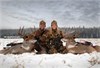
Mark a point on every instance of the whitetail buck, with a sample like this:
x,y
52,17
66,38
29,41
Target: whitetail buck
x,y
18,48
77,47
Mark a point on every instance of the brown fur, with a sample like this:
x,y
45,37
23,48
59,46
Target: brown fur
x,y
78,48
97,48
18,49
26,46
81,49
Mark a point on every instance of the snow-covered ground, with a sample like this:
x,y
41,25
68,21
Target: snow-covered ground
x,y
31,60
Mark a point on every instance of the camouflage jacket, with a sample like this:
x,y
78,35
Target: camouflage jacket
x,y
54,34
41,36
55,38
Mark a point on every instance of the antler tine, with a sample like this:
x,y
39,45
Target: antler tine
x,y
32,30
21,31
77,34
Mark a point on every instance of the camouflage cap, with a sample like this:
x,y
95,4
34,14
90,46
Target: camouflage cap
x,y
53,22
42,22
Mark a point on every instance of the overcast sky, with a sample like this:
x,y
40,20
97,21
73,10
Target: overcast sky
x,y
68,13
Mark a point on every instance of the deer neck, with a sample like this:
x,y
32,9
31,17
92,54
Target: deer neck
x,y
71,41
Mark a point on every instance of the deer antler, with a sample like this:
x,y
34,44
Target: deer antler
x,y
77,34
33,29
21,31
25,36
72,34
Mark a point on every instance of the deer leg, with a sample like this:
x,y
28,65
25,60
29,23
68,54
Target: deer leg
x,y
90,49
77,50
14,50
7,51
97,48
3,51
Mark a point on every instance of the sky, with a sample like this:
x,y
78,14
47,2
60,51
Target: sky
x,y
67,13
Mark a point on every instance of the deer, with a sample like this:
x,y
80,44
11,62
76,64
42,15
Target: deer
x,y
74,47
77,47
18,48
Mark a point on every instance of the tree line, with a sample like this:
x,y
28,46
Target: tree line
x,y
93,32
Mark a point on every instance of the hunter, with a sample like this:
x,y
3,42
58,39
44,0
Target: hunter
x,y
55,35
41,36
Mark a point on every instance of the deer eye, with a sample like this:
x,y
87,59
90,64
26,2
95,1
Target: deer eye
x,y
25,36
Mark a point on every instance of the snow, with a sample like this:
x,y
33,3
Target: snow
x,y
32,60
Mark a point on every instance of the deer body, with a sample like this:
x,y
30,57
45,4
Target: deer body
x,y
77,48
26,46
81,49
18,48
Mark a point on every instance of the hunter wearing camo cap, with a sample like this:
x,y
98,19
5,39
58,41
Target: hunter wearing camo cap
x,y
55,36
41,37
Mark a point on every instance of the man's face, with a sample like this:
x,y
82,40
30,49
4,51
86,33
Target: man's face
x,y
42,26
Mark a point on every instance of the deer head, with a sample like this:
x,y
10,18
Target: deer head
x,y
69,37
25,36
